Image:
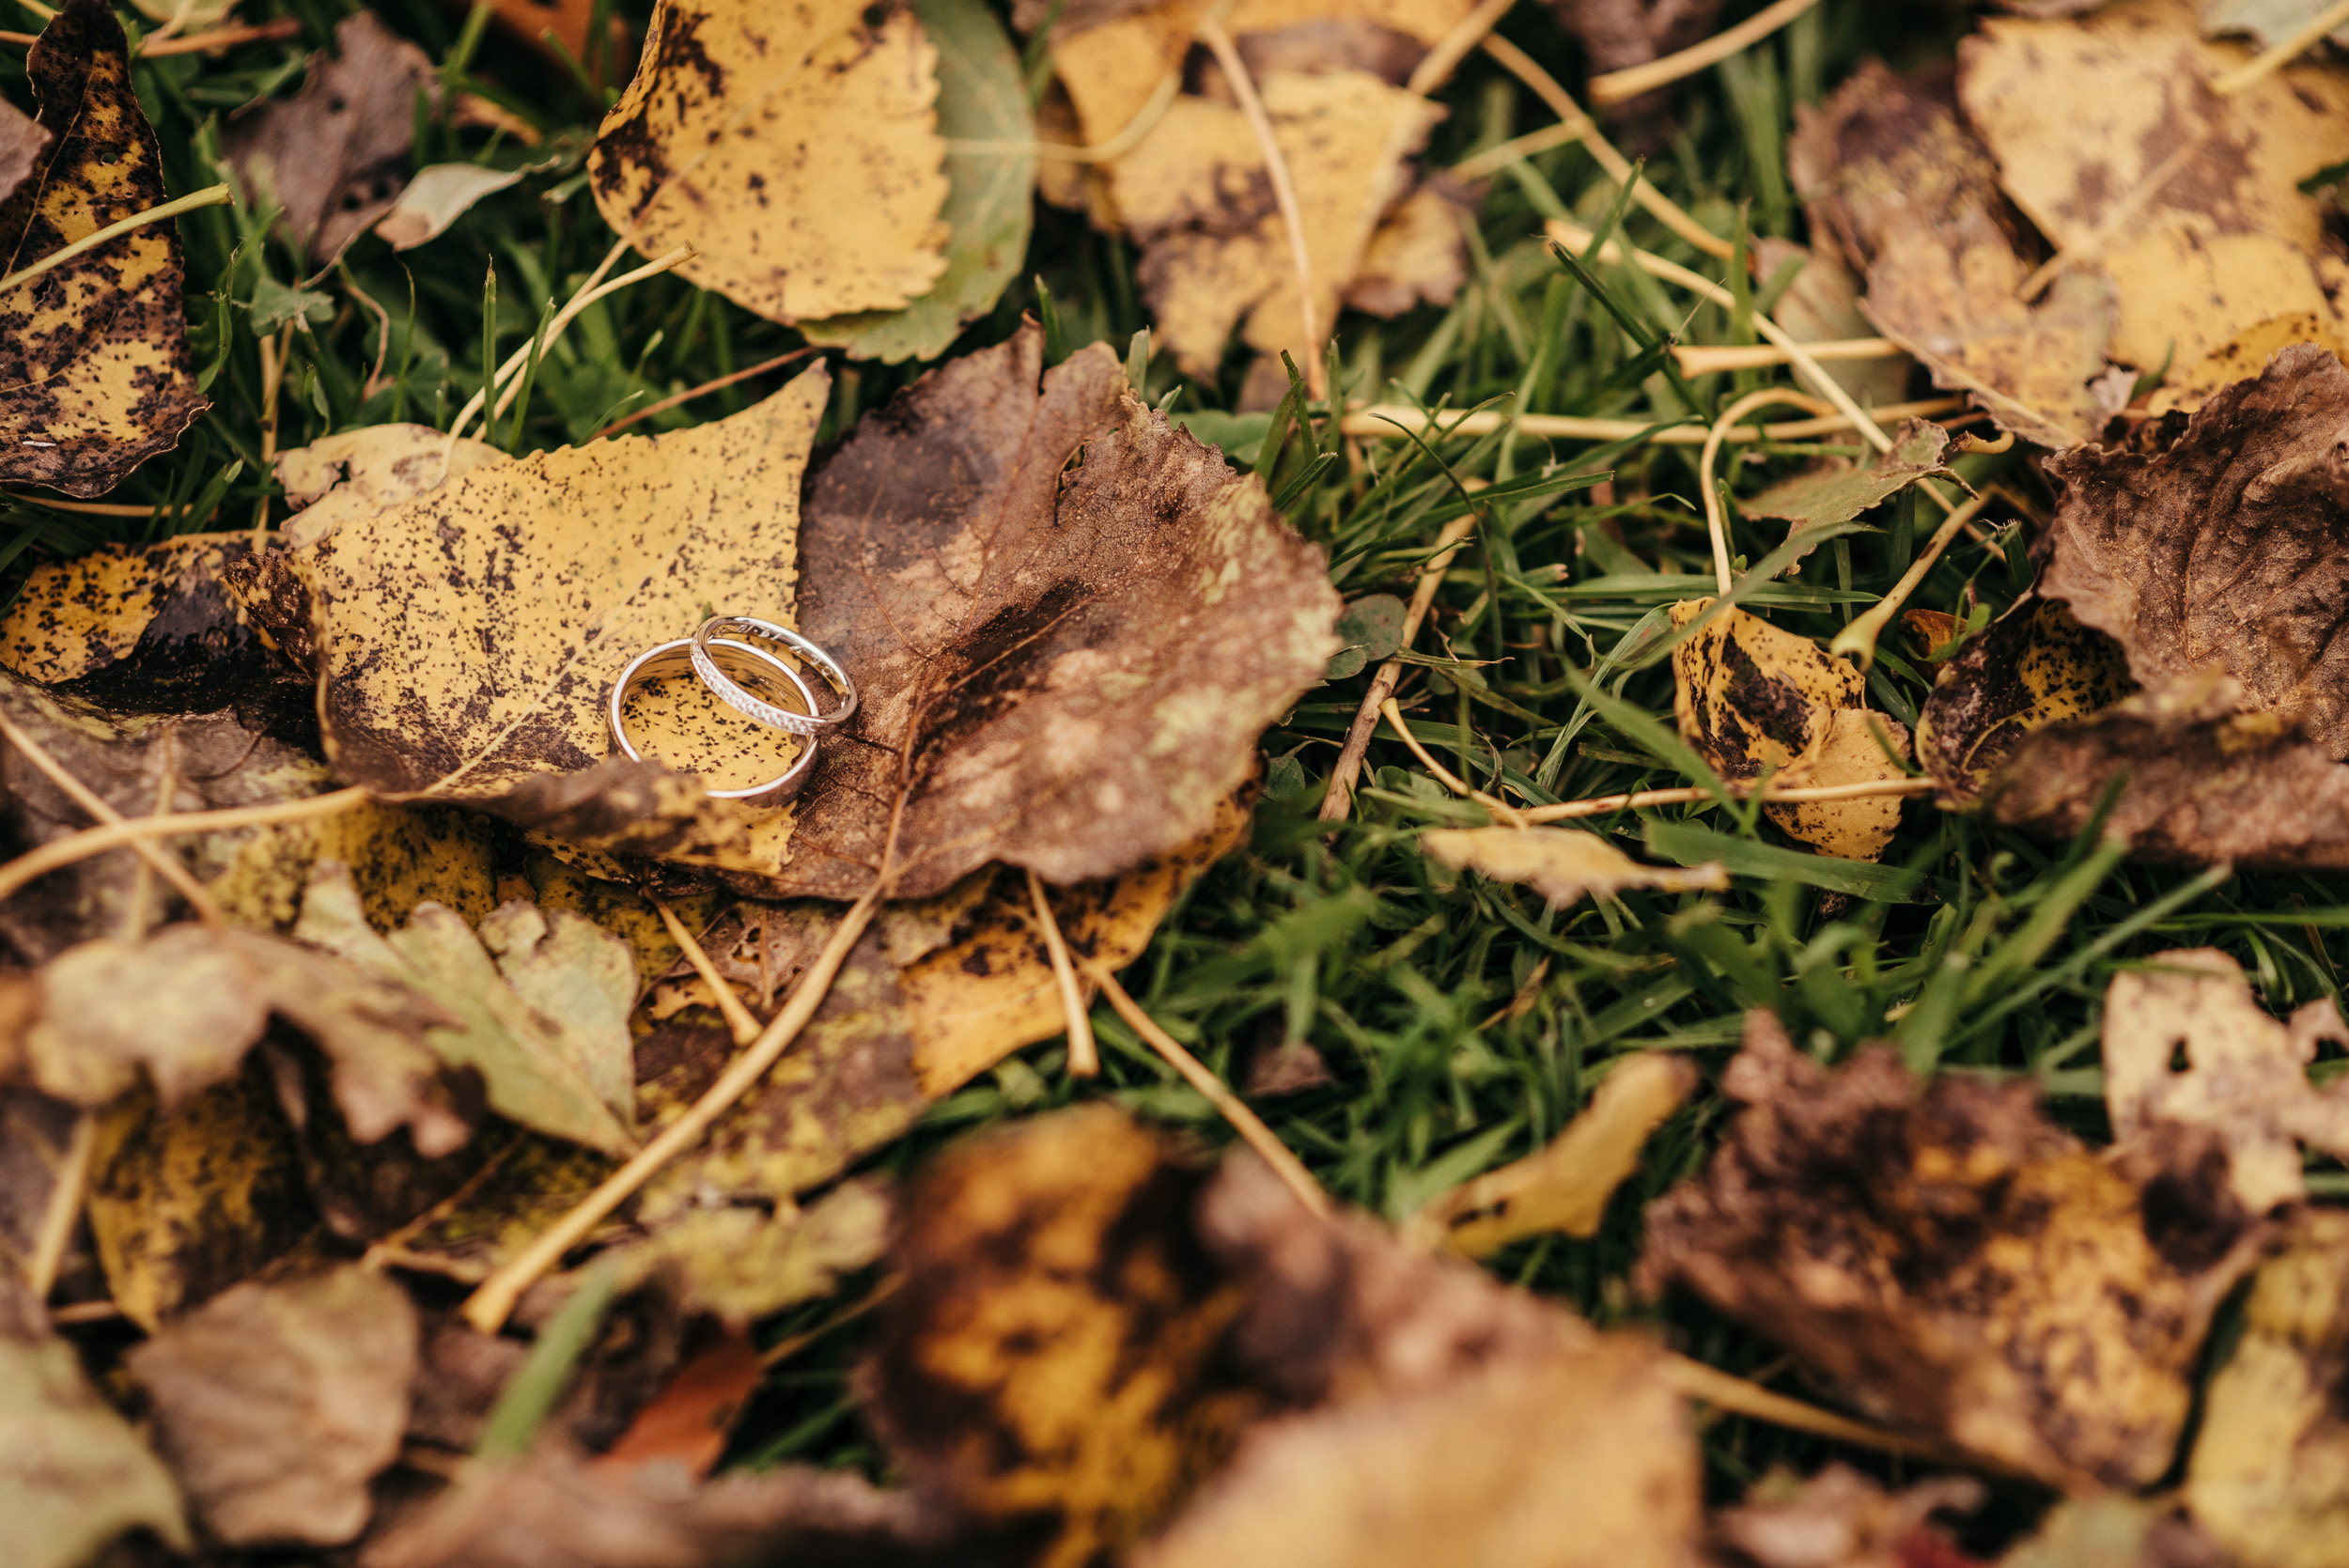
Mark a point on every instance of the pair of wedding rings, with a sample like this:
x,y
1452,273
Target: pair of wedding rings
x,y
717,655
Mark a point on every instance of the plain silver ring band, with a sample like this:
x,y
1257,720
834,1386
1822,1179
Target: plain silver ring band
x,y
677,658
810,723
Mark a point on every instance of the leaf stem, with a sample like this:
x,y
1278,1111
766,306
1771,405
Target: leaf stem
x,y
2283,52
1716,526
200,900
1085,1058
739,1018
1687,794
1617,85
211,195
1219,42
114,835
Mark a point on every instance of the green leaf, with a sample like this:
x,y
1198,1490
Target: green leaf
x,y
1371,629
989,200
273,304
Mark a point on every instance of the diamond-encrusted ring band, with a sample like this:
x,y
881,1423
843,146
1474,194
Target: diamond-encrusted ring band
x,y
732,692
680,657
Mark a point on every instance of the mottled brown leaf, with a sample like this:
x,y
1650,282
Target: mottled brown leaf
x,y
36,1143
1913,199
1070,623
2244,1073
1956,1262
334,156
94,370
73,1476
2033,667
2227,548
22,144
277,1404
1617,35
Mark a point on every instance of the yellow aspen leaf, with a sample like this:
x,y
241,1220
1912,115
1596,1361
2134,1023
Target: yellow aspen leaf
x,y
1563,864
94,370
1566,1186
2034,666
795,147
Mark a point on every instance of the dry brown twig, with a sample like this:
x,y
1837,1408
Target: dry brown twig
x,y
126,831
1501,809
1338,800
1084,1057
739,1018
1226,52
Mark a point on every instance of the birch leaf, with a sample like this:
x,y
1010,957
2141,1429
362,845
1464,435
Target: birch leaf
x,y
796,148
1563,864
357,474
982,100
2034,666
94,370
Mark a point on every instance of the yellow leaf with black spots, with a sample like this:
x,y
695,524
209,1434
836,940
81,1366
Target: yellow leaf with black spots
x,y
2034,666
94,370
795,147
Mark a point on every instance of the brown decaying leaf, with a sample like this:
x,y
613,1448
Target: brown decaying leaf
x,y
686,1425
1958,1264
277,1404
334,156
1752,700
22,144
2224,548
1069,620
1565,1185
2267,1474
2033,667
796,148
2185,199
73,1475
2245,1074
94,370
36,1143
1617,35
1415,255
1912,198
466,639
1839,1518
557,1506
1563,864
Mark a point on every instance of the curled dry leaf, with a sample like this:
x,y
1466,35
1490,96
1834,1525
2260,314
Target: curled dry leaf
x,y
2033,667
22,145
1564,865
1566,1185
73,1476
2244,1073
94,370
546,1025
466,639
1070,622
1958,1264
796,149
2266,1475
277,1404
334,156
557,1505
1839,1518
357,474
1838,491
1913,199
439,196
2224,548
1753,701
984,116
2186,199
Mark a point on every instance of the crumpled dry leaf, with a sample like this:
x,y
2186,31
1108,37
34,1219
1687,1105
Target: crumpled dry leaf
x,y
185,1204
1753,700
2267,1476
1416,255
334,156
355,474
982,99
1839,1518
2222,549
277,1404
466,640
1913,199
439,196
2187,200
2033,667
546,1027
558,1506
2245,1074
1565,1185
22,144
94,371
796,149
1070,621
1957,1262
1617,35
73,1476
2207,781
1048,1370
1838,491
1563,865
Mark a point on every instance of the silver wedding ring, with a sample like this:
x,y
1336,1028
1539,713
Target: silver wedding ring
x,y
689,655
733,693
